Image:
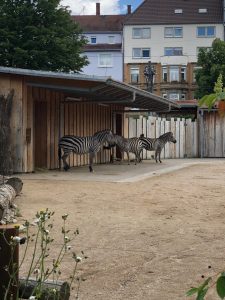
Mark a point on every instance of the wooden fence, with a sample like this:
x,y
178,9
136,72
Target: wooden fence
x,y
184,130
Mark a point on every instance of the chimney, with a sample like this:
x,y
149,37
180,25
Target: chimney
x,y
97,9
129,9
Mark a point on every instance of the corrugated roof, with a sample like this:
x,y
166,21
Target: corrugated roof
x,y
163,12
94,89
100,23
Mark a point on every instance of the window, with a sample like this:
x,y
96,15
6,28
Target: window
x,y
141,33
202,10
178,11
174,73
105,60
111,39
173,32
173,51
164,74
141,52
183,74
206,31
203,48
174,96
134,75
93,40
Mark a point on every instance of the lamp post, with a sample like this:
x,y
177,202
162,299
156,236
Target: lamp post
x,y
149,73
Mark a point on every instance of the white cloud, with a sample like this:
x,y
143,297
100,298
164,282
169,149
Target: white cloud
x,y
88,7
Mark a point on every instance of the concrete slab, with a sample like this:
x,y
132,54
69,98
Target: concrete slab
x,y
118,172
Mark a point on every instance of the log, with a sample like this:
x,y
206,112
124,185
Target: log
x,y
8,193
50,290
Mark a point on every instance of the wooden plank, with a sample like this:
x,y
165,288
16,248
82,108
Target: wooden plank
x,y
189,139
162,131
218,136
151,133
182,137
177,137
30,128
24,128
16,125
167,148
172,146
144,131
52,129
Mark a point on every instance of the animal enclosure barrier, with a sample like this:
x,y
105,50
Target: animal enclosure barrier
x,y
184,130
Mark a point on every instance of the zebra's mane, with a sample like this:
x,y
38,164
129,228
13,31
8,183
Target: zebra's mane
x,y
166,134
109,131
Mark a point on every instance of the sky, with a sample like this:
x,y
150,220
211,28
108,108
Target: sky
x,y
108,7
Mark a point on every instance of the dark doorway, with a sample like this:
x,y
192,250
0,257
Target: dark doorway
x,y
40,115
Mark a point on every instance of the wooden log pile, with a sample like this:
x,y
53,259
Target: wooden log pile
x,y
8,192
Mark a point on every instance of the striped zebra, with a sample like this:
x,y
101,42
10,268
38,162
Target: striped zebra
x,y
133,145
157,144
82,145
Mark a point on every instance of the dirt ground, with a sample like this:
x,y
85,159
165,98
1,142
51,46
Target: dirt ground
x,y
152,239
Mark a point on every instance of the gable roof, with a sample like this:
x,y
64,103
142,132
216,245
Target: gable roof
x,y
162,12
93,89
100,23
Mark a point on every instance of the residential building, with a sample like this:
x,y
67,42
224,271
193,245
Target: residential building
x,y
104,49
170,34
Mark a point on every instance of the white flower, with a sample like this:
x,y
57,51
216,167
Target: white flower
x,y
16,239
32,298
67,239
36,271
68,247
54,291
46,231
78,259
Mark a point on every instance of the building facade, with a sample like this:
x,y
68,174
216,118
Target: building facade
x,y
169,34
104,49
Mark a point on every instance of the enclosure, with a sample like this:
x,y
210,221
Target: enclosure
x,y
145,239
48,105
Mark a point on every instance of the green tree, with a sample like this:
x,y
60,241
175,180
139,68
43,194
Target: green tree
x,y
40,35
212,64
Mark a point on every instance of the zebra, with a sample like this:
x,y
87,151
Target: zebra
x,y
82,145
157,144
133,145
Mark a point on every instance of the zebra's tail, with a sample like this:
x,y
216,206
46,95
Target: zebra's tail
x,y
59,156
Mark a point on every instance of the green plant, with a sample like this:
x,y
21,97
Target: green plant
x,y
217,281
43,265
218,95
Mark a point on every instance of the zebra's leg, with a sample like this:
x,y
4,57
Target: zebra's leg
x,y
128,157
160,156
66,166
91,158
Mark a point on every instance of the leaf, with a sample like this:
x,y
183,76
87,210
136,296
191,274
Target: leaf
x,y
192,291
202,293
221,96
220,286
208,100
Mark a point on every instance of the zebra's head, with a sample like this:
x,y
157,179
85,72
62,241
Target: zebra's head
x,y
104,135
170,137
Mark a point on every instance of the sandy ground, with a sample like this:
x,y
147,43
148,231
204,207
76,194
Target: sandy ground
x,y
150,240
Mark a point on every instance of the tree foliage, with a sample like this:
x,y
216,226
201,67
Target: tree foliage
x,y
212,63
39,35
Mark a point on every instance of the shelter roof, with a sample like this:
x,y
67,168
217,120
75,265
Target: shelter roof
x,y
93,89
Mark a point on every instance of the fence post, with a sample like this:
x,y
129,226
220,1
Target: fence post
x,y
9,260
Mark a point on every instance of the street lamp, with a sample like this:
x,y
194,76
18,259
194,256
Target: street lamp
x,y
149,73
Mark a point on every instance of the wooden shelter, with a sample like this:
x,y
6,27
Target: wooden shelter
x,y
48,105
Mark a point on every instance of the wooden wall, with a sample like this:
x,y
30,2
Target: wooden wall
x,y
185,132
66,118
17,123
41,116
212,134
